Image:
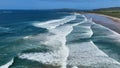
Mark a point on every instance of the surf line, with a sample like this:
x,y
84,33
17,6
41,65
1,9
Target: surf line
x,y
57,57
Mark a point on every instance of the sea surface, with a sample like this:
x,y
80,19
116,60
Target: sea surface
x,y
55,39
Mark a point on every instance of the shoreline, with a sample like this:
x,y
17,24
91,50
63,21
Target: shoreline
x,y
110,22
115,19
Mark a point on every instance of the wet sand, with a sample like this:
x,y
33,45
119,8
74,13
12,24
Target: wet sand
x,y
111,22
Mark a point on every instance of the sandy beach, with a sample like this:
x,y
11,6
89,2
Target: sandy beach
x,y
108,21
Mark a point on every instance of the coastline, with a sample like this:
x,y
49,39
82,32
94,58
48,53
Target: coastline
x,y
108,21
113,18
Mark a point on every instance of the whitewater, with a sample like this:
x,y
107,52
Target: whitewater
x,y
71,43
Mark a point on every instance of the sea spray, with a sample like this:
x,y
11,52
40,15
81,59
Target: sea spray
x,y
57,57
54,23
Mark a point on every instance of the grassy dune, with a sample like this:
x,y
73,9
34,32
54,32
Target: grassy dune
x,y
115,12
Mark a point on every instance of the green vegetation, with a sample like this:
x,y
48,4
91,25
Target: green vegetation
x,y
115,12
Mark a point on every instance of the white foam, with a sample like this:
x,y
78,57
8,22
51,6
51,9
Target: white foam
x,y
58,56
87,54
112,32
101,26
85,18
8,64
74,67
54,23
83,30
27,37
108,33
76,14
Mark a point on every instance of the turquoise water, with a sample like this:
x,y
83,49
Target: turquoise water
x,y
53,39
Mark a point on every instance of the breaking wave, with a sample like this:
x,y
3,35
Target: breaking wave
x,y
7,64
71,44
54,23
57,41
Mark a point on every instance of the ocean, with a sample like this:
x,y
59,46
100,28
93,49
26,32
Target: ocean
x,y
55,39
